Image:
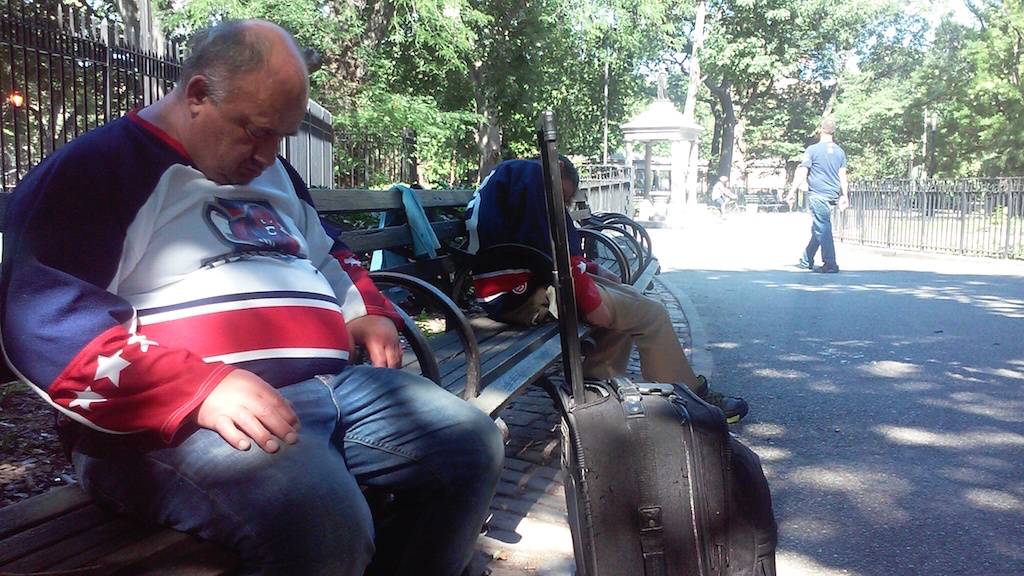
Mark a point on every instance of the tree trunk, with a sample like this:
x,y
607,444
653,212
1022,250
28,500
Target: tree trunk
x,y
831,103
740,149
488,143
488,134
724,95
698,43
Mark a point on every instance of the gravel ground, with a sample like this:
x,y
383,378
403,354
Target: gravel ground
x,y
33,461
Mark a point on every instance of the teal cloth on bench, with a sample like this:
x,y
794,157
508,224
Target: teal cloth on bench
x,y
424,241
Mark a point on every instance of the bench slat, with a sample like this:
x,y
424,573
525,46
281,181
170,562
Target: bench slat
x,y
84,548
33,511
348,201
39,537
397,238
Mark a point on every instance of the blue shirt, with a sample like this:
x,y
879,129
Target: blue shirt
x,y
823,161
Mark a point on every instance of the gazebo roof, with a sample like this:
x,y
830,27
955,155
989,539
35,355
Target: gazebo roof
x,y
661,121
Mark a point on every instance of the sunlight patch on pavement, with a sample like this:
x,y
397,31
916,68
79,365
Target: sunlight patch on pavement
x,y
915,386
793,564
1007,307
980,405
763,430
968,475
994,500
777,373
958,440
724,345
807,529
771,453
876,494
890,369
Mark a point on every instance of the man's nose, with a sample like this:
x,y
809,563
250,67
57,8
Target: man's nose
x,y
265,151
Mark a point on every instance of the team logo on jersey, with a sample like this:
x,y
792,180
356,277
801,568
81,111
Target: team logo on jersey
x,y
251,226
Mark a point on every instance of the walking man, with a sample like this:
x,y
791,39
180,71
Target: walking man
x,y
824,169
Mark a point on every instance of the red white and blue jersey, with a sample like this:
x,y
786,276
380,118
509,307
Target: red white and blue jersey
x,y
509,207
132,284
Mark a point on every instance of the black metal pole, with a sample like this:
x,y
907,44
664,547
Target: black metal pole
x,y
565,294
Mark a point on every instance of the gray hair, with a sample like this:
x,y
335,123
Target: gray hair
x,y
828,126
226,52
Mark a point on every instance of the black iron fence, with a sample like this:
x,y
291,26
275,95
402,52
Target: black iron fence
x,y
62,74
373,160
975,217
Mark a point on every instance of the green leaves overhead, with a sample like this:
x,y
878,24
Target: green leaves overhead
x,y
470,76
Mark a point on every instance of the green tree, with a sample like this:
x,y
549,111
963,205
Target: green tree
x,y
751,46
880,112
996,94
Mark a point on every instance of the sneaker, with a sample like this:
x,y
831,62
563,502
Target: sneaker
x,y
803,263
827,269
734,408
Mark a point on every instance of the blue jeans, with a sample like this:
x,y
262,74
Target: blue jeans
x,y
821,231
429,459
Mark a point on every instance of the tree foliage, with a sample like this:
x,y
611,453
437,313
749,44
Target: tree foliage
x,y
470,76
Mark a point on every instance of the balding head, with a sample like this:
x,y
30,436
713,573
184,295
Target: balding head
x,y
236,49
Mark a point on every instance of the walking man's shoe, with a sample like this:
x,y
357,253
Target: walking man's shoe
x,y
734,408
828,269
803,263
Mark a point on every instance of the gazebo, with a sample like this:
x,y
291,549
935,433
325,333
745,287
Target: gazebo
x,y
662,122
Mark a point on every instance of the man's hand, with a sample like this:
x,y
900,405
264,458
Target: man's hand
x,y
379,337
243,409
791,199
844,202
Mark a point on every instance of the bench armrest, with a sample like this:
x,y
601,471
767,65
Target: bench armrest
x,y
454,320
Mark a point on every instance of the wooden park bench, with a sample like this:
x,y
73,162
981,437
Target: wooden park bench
x,y
764,201
487,363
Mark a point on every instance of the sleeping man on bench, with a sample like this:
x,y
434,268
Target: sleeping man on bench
x,y
509,207
169,288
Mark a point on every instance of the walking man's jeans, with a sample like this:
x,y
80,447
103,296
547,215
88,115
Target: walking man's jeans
x,y
302,510
821,231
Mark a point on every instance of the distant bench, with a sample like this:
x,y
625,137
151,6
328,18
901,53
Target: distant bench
x,y
487,363
765,202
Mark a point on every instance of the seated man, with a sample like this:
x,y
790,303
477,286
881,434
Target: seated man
x,y
169,288
722,195
509,207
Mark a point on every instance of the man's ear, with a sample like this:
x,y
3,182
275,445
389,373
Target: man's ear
x,y
198,90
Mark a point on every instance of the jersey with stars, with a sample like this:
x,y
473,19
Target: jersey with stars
x,y
133,285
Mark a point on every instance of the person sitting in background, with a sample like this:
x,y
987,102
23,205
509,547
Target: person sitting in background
x,y
509,207
722,195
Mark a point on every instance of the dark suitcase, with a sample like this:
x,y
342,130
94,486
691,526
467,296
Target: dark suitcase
x,y
655,485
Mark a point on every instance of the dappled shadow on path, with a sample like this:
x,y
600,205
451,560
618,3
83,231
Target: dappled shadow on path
x,y
888,408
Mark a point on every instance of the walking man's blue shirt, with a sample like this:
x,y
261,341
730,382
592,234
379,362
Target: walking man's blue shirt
x,y
823,161
823,168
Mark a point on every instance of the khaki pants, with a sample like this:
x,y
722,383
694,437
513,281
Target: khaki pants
x,y
636,319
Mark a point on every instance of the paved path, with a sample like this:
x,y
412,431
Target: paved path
x,y
887,404
887,401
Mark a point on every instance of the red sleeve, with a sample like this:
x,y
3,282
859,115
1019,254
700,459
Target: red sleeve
x,y
123,382
587,296
376,303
